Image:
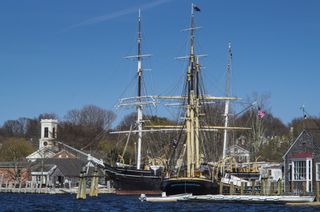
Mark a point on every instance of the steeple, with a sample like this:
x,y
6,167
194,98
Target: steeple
x,y
48,132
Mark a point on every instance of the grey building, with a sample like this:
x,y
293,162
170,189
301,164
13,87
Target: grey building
x,y
61,172
302,163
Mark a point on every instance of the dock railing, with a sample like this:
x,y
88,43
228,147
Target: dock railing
x,y
264,187
267,187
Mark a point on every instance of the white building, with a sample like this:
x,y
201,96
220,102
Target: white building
x,y
55,161
50,147
240,154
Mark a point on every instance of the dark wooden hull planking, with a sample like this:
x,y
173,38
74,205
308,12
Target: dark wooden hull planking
x,y
132,181
195,186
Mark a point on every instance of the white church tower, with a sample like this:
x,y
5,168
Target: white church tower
x,y
48,132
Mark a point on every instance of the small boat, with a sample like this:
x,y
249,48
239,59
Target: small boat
x,y
164,198
229,198
249,199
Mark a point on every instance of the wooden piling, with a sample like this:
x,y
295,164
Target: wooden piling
x,y
304,188
271,190
279,187
262,187
221,188
242,188
82,191
231,189
20,186
94,184
253,192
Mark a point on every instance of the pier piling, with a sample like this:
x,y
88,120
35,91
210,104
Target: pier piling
x,y
82,191
231,188
279,187
242,188
221,188
94,184
253,187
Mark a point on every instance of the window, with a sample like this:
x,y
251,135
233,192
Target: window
x,y
290,172
46,132
53,132
299,170
309,171
318,171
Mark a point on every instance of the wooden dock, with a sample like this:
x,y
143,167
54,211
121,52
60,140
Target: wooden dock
x,y
33,188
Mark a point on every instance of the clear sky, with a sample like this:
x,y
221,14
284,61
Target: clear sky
x,y
61,55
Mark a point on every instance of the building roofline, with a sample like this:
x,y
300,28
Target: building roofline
x,y
240,147
304,131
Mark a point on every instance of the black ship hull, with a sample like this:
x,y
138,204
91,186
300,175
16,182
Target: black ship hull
x,y
132,181
195,186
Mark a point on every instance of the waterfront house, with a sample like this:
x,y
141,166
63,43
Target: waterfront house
x,y
56,164
61,172
239,153
302,163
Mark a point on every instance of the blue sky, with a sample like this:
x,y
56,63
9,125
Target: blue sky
x,y
61,55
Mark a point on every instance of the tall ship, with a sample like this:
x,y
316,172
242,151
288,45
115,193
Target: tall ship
x,y
188,170
139,177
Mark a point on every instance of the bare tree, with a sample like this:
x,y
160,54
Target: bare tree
x,y
297,125
83,128
91,116
47,116
12,128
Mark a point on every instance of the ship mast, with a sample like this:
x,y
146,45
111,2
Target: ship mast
x,y
226,109
192,99
192,122
139,107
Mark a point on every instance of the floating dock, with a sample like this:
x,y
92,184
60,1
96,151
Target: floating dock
x,y
229,198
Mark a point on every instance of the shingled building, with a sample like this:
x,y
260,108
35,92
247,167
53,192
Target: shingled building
x,y
302,163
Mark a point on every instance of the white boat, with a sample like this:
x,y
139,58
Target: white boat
x,y
250,199
164,198
229,198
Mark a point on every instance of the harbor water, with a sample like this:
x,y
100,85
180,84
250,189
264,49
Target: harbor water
x,y
110,202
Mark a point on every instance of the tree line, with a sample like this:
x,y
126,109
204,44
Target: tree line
x,y
89,127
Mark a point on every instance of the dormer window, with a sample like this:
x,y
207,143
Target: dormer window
x,y
46,132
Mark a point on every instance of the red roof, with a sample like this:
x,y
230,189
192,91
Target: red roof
x,y
301,155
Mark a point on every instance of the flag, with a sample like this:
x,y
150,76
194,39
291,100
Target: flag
x,y
196,8
174,143
261,113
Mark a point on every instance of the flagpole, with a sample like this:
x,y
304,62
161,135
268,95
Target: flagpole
x,y
192,9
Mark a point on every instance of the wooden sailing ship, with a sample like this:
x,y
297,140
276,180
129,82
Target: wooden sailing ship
x,y
128,178
188,171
